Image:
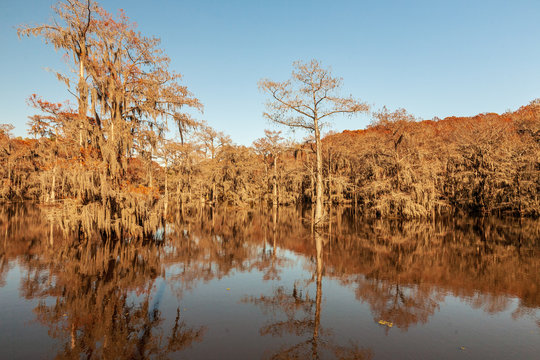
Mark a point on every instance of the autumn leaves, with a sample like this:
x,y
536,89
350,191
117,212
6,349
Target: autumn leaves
x,y
88,158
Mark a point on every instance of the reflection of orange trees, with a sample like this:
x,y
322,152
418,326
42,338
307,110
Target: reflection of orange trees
x,y
401,269
212,243
21,234
120,331
400,305
103,306
270,261
404,269
93,306
402,265
92,284
303,319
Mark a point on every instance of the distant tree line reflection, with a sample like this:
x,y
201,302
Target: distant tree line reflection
x,y
104,299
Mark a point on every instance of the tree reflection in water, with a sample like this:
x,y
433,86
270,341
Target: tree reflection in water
x,y
103,307
403,270
303,319
99,298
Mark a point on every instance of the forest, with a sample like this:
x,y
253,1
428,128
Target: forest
x,y
126,157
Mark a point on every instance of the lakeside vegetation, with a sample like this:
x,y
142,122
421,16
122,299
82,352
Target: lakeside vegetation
x,y
107,163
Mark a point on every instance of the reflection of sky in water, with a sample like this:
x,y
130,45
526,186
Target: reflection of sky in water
x,y
20,335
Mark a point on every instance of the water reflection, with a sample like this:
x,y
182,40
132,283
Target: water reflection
x,y
99,299
303,319
407,268
102,294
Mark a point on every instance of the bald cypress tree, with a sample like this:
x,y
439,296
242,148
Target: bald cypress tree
x,y
126,97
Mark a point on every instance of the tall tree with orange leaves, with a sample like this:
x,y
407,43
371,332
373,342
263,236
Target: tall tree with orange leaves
x,y
126,96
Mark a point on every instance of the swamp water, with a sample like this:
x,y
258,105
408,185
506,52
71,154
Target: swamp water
x,y
249,285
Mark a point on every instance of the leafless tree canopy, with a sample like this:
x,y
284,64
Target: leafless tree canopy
x,y
305,101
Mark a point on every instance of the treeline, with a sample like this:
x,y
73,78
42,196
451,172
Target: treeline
x,y
486,164
397,167
108,165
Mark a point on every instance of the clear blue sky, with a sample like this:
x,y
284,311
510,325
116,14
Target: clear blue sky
x,y
433,58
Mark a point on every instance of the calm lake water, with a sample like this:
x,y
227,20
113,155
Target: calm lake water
x,y
224,284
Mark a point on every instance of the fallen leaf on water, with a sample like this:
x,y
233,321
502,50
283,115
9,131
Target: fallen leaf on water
x,y
228,288
386,323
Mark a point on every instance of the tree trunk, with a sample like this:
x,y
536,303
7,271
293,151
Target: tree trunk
x,y
166,205
83,95
319,179
312,184
151,182
274,189
52,196
51,235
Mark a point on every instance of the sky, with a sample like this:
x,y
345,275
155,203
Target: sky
x,y
433,58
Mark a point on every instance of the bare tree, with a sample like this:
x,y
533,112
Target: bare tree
x,y
305,101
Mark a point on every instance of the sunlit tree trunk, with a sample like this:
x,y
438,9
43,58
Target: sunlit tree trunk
x,y
151,182
319,179
51,235
166,200
53,184
73,336
83,94
274,185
